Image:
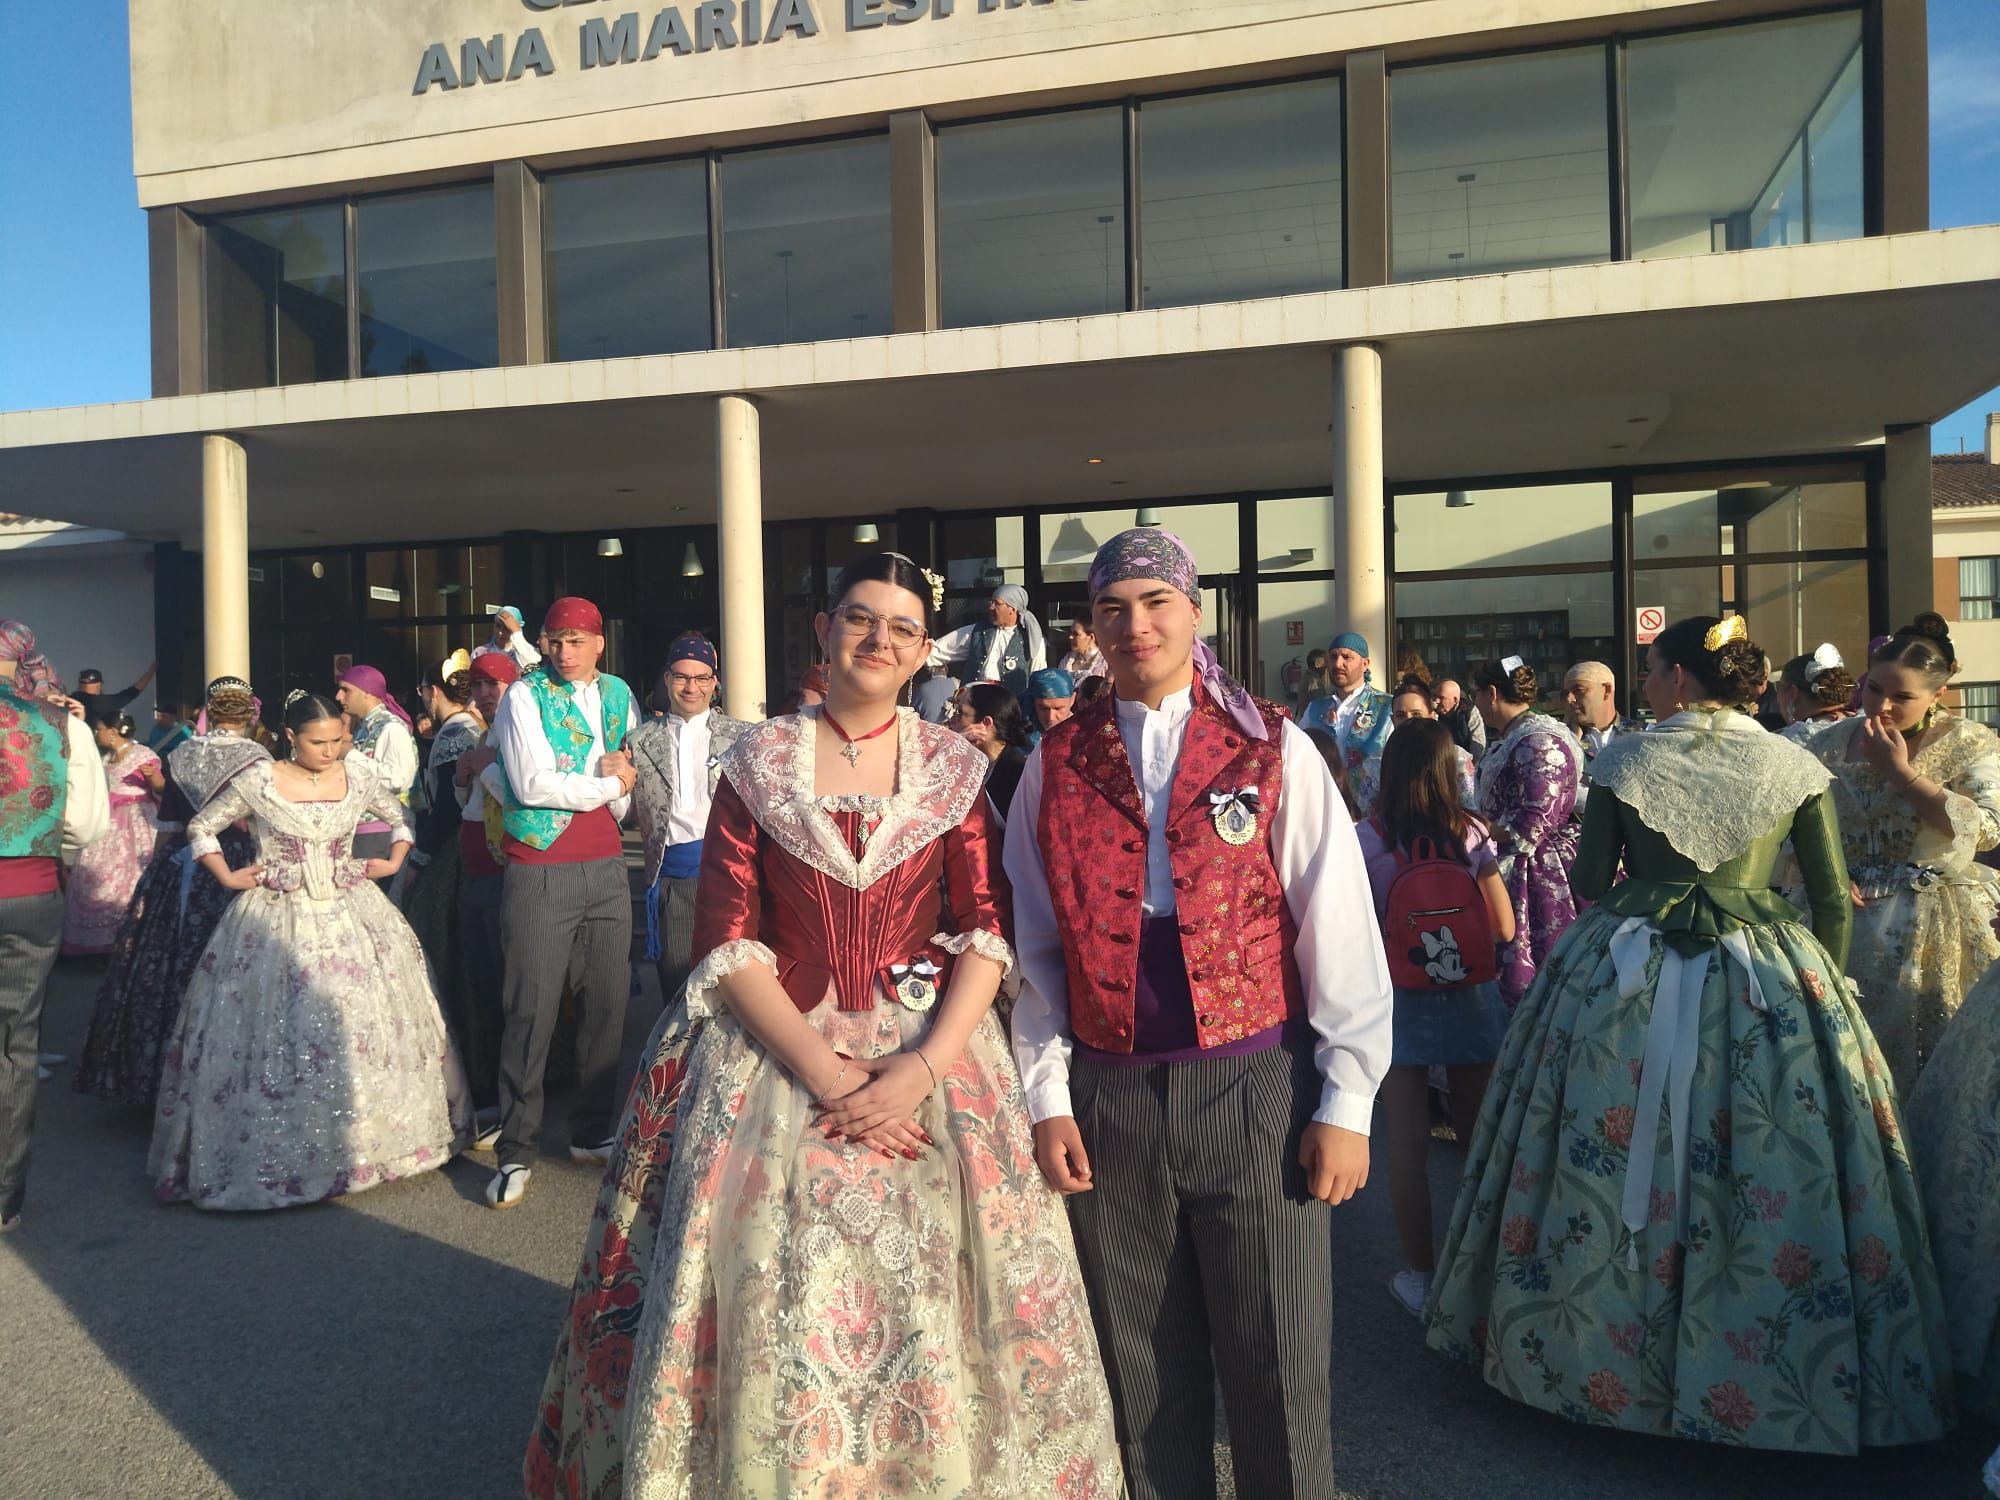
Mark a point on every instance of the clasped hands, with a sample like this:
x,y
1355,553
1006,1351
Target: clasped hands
x,y
618,764
874,1102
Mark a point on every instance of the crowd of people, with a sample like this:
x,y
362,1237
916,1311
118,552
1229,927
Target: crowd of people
x,y
1024,1021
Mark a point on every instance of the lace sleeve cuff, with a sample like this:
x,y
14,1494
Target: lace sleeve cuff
x,y
1971,827
203,843
722,961
988,945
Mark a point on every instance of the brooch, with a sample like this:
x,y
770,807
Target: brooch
x,y
915,984
1235,814
1011,663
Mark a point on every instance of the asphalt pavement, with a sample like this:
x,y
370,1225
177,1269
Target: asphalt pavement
x,y
392,1344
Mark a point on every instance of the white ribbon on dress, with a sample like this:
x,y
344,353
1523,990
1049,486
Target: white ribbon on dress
x,y
1673,1043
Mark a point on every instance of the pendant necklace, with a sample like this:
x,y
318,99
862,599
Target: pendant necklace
x,y
850,744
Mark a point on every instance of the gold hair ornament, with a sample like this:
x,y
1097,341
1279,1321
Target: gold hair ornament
x,y
1724,631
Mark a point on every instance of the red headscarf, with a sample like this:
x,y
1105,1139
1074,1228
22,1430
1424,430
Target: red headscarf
x,y
495,666
572,613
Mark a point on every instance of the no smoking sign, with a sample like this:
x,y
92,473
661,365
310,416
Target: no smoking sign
x,y
1651,620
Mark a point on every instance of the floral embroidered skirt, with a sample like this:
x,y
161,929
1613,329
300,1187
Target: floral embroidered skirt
x,y
763,1312
1800,1310
159,943
105,875
1954,1118
310,1059
1915,956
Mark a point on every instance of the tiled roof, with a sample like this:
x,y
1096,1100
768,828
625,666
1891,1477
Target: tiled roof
x,y
1959,480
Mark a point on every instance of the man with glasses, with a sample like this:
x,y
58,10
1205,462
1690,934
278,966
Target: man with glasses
x,y
678,759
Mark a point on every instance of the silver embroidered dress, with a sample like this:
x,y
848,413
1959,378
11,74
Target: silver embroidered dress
x,y
311,1058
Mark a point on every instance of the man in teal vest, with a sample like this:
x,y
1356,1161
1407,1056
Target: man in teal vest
x,y
53,801
563,781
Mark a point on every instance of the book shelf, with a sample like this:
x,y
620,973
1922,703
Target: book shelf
x,y
1453,645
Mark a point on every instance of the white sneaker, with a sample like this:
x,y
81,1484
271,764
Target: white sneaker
x,y
1410,1288
600,1152
509,1186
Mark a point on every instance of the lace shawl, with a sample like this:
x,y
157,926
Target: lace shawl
x,y
939,775
1710,784
206,764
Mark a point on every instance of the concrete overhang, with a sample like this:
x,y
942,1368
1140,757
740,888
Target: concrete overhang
x,y
1582,368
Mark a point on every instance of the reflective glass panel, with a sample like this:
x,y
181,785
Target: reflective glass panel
x,y
1722,125
1524,526
1690,515
1031,217
1293,618
276,297
1499,163
1240,193
627,251
425,273
1551,622
1295,534
1789,607
805,238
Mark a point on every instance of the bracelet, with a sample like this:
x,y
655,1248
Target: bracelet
x,y
835,1084
927,1065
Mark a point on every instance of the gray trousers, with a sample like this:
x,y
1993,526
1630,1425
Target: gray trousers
x,y
482,934
1204,1256
676,933
30,933
562,922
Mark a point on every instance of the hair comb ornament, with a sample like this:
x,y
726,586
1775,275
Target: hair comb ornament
x,y
294,695
1825,658
1723,632
936,581
1511,664
459,661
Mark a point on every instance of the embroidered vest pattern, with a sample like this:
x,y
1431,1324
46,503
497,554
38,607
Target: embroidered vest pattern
x,y
1236,931
570,738
34,776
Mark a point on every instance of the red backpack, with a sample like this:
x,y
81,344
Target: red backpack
x,y
1435,928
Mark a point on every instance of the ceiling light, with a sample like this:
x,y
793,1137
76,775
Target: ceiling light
x,y
866,535
1149,515
1093,460
610,546
1302,555
691,563
1457,500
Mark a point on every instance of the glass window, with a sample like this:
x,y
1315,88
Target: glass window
x,y
1745,135
627,260
981,552
424,273
1550,621
1031,217
1790,607
1980,702
1978,587
1500,163
392,585
1719,516
319,587
1069,540
805,239
1525,526
276,297
1293,617
1295,533
1240,193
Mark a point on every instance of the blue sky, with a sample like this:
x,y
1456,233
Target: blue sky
x,y
73,240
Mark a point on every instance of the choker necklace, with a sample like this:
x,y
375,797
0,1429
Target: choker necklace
x,y
850,744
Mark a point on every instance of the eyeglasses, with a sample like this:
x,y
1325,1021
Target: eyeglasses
x,y
682,679
859,619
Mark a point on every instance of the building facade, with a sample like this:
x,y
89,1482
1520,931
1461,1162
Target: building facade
x,y
1965,501
1484,329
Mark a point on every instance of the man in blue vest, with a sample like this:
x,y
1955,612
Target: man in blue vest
x,y
563,781
53,802
1006,647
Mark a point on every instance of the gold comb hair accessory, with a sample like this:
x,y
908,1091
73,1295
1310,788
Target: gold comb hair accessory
x,y
936,581
1723,631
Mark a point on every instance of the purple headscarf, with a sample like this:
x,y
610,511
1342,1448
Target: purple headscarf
x,y
1155,552
34,676
376,685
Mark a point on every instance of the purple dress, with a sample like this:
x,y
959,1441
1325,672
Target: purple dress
x,y
1527,792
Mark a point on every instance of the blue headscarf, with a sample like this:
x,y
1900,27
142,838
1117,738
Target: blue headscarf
x,y
1051,683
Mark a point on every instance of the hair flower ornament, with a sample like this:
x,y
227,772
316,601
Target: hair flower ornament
x,y
1511,664
1825,658
1723,632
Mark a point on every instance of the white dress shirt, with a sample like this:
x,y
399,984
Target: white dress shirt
x,y
687,819
394,752
87,796
532,772
1339,954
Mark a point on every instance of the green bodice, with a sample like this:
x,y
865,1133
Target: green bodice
x,y
1694,907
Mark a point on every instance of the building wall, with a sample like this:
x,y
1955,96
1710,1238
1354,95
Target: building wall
x,y
1967,533
234,97
89,606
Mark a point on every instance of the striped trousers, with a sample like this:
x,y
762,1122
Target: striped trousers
x,y
1205,1257
30,931
676,900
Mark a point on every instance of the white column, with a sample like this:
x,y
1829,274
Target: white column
x,y
1360,587
739,528
225,557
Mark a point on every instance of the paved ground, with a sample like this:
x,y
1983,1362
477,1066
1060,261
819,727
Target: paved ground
x,y
392,1345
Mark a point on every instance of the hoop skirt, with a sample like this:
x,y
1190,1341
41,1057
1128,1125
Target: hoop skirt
x,y
108,870
1768,1281
310,1059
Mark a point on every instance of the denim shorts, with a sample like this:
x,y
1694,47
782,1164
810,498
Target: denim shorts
x,y
1448,1028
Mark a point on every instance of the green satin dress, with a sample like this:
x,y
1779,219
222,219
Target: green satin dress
x,y
1768,1283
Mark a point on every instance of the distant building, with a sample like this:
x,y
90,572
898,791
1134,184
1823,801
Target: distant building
x,y
87,594
1965,531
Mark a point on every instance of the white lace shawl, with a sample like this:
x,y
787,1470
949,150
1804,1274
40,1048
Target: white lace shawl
x,y
939,776
1710,784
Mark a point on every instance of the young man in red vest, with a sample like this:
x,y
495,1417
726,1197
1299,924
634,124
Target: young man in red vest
x,y
563,781
1203,1020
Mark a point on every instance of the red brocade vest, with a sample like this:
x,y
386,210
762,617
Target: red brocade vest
x,y
1236,931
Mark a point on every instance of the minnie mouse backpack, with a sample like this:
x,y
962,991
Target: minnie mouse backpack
x,y
1435,930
